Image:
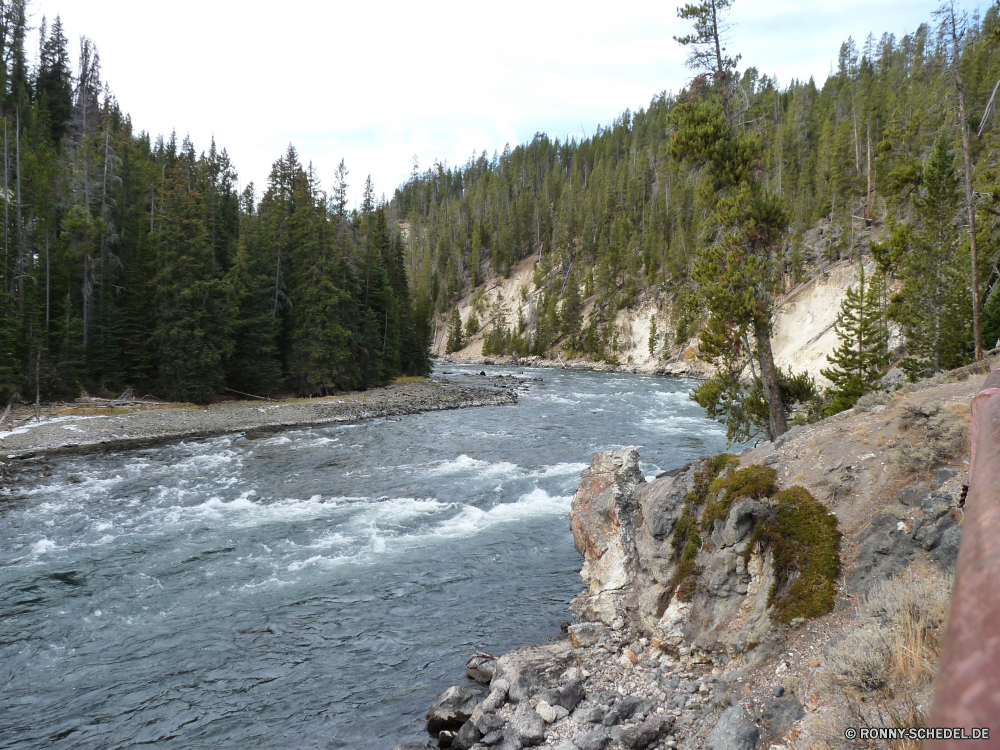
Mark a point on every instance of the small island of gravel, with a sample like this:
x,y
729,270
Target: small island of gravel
x,y
98,425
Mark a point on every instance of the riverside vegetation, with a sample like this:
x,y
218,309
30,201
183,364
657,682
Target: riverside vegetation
x,y
740,183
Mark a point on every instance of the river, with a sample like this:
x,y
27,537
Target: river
x,y
313,588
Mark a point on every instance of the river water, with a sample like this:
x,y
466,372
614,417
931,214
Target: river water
x,y
313,588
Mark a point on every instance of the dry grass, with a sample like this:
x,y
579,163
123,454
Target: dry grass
x,y
938,434
885,667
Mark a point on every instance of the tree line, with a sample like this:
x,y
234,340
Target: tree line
x,y
709,200
133,262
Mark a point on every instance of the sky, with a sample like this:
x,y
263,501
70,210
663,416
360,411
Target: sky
x,y
382,84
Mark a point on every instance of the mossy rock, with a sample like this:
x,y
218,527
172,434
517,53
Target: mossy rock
x,y
755,482
805,545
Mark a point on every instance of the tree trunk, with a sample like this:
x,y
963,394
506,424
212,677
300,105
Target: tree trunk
x,y
776,424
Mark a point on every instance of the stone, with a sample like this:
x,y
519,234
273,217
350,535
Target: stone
x,y
630,705
885,551
946,552
935,506
588,715
585,634
494,700
779,718
481,668
492,738
941,477
611,718
733,731
486,722
602,518
561,712
913,495
593,740
530,727
546,711
411,746
452,709
645,733
778,691
466,737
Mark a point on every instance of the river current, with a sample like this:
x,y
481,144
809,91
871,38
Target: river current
x,y
313,588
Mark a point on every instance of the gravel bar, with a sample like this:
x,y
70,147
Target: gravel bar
x,y
123,428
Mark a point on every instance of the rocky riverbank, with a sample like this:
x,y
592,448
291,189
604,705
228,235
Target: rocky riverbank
x,y
676,367
765,601
93,425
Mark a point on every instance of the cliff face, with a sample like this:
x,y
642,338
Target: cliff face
x,y
803,331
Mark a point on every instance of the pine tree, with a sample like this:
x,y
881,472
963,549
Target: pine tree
x,y
255,364
192,327
320,354
934,306
860,359
454,332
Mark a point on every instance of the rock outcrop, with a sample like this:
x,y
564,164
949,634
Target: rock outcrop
x,y
625,527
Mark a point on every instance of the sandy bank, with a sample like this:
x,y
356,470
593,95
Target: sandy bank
x,y
79,430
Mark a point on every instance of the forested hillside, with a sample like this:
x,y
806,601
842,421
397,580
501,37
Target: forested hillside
x,y
637,210
130,261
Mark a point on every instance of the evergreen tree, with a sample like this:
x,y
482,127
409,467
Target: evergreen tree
x,y
934,305
255,364
862,356
192,328
454,332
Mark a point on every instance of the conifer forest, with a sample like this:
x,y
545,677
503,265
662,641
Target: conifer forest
x,y
134,262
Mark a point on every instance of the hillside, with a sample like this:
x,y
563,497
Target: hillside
x,y
803,333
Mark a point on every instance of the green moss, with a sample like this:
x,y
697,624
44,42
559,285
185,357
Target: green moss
x,y
805,544
754,482
686,540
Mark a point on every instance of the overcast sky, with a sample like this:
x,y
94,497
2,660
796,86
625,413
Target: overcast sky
x,y
380,83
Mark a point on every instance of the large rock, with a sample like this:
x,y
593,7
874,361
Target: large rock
x,y
529,670
481,668
452,709
585,634
734,731
593,740
885,551
530,727
467,736
603,521
639,736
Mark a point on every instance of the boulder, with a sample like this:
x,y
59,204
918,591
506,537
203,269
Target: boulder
x,y
481,668
594,740
585,634
529,670
467,736
780,717
645,733
530,727
946,552
885,551
486,722
734,731
452,709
